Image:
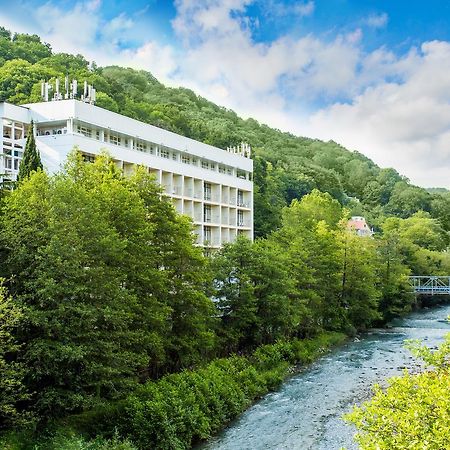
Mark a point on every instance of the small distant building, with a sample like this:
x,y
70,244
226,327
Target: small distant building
x,y
358,225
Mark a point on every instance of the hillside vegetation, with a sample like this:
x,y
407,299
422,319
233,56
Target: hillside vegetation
x,y
286,166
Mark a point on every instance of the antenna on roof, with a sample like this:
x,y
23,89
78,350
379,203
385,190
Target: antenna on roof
x,y
66,86
58,95
71,91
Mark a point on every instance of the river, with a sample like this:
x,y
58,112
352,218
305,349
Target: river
x,y
305,413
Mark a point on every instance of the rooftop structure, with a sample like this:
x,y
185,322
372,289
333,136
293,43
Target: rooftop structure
x,y
358,225
212,186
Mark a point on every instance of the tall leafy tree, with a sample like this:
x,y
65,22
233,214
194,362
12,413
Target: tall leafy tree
x,y
360,285
12,389
31,161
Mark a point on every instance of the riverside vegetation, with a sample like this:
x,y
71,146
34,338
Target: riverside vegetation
x,y
116,331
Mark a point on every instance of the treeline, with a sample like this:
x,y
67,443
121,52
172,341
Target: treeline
x,y
286,166
104,290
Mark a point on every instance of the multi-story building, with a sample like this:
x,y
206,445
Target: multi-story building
x,y
212,186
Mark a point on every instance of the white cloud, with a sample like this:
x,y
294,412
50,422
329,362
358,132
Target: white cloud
x,y
305,9
273,9
377,20
405,124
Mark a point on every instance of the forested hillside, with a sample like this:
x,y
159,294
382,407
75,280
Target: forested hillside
x,y
286,166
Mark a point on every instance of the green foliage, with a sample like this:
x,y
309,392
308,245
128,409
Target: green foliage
x,y
61,440
31,161
108,296
183,408
360,285
413,411
286,167
12,372
108,292
253,290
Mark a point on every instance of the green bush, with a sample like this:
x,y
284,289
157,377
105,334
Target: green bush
x,y
184,408
179,409
62,440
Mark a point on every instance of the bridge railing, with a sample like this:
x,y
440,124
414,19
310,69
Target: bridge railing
x,y
430,285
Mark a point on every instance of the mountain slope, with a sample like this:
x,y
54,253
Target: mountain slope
x,y
286,166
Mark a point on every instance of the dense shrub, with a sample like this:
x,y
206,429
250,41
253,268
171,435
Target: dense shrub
x,y
183,408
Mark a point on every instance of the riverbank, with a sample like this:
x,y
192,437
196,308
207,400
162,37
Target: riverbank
x,y
184,408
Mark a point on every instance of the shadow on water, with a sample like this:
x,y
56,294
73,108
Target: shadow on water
x,y
305,413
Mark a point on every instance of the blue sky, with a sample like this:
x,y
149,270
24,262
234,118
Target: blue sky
x,y
372,75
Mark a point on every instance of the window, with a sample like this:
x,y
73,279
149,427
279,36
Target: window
x,y
194,161
7,132
175,156
18,133
8,163
85,131
207,234
165,154
229,171
207,213
221,169
205,165
240,218
97,135
185,159
115,139
240,198
88,158
207,191
16,164
140,145
241,174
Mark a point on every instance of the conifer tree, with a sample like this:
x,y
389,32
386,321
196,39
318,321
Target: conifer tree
x,y
31,161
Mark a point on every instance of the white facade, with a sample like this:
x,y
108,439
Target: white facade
x,y
212,186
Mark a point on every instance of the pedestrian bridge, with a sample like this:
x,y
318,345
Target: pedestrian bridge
x,y
430,285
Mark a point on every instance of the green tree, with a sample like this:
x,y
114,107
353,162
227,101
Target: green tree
x,y
234,295
360,293
397,297
31,161
308,236
12,389
108,298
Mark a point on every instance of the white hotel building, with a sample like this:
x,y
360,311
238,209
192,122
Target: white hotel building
x,y
212,186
